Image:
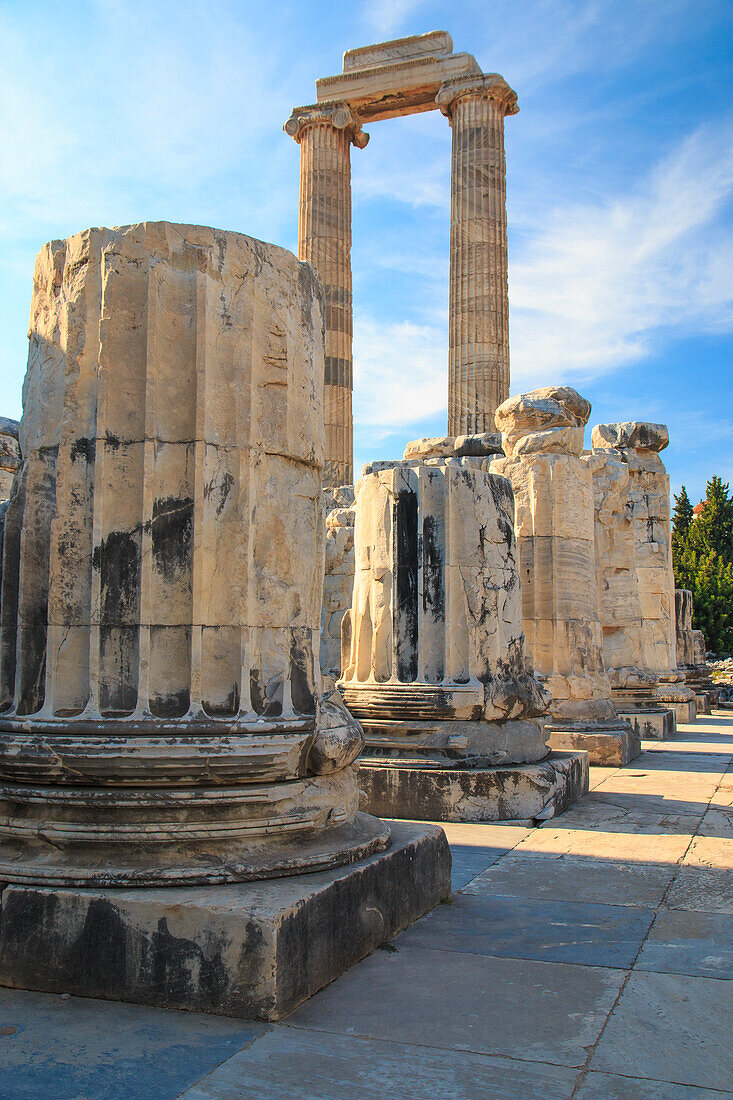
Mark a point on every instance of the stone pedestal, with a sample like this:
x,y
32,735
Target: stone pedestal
x,y
633,688
542,434
478,336
648,508
162,719
254,950
325,133
437,671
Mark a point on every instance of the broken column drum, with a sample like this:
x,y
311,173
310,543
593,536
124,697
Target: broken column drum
x,y
161,587
9,455
542,433
648,504
435,663
690,660
619,604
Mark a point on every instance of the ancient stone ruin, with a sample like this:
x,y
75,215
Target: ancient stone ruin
x,y
9,456
647,503
690,646
435,662
410,75
633,687
163,722
542,435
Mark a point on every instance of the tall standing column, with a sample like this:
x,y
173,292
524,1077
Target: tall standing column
x,y
325,133
479,303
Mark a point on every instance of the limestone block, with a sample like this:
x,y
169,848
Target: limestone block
x,y
160,617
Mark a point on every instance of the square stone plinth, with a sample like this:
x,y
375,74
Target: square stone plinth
x,y
684,712
702,703
651,725
605,747
414,790
253,950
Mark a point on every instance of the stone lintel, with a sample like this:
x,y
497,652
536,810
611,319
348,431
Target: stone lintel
x,y
512,792
432,44
487,85
250,950
337,113
401,88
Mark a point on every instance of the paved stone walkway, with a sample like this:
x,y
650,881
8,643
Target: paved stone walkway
x,y
586,958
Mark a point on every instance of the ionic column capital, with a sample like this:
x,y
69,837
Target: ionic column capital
x,y
338,114
485,86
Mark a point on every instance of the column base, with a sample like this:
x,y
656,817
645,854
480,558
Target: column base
x,y
650,723
417,791
607,747
250,950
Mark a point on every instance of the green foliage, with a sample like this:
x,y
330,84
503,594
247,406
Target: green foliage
x,y
702,553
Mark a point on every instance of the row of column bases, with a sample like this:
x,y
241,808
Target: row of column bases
x,y
478,305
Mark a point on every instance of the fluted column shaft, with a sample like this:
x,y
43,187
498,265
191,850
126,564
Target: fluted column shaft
x,y
324,239
479,304
325,134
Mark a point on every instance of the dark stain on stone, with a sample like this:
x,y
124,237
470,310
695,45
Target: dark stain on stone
x,y
405,609
227,707
118,561
170,704
179,967
99,952
302,683
172,536
83,448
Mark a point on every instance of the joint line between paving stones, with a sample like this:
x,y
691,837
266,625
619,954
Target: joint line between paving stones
x,y
200,1080
585,1069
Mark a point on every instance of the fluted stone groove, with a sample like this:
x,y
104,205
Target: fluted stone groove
x,y
479,304
325,135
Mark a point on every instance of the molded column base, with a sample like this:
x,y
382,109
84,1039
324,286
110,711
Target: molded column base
x,y
416,790
254,950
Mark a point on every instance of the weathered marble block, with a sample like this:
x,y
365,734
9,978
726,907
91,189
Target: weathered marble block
x,y
691,660
161,711
542,434
648,505
619,604
435,662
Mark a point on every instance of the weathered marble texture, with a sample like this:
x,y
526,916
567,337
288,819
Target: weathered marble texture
x,y
160,619
649,510
437,663
338,582
542,433
619,602
683,628
9,455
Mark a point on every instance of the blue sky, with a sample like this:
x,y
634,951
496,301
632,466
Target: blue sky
x,y
620,185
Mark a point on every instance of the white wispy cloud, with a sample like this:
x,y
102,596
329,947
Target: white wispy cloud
x,y
400,372
606,282
387,17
